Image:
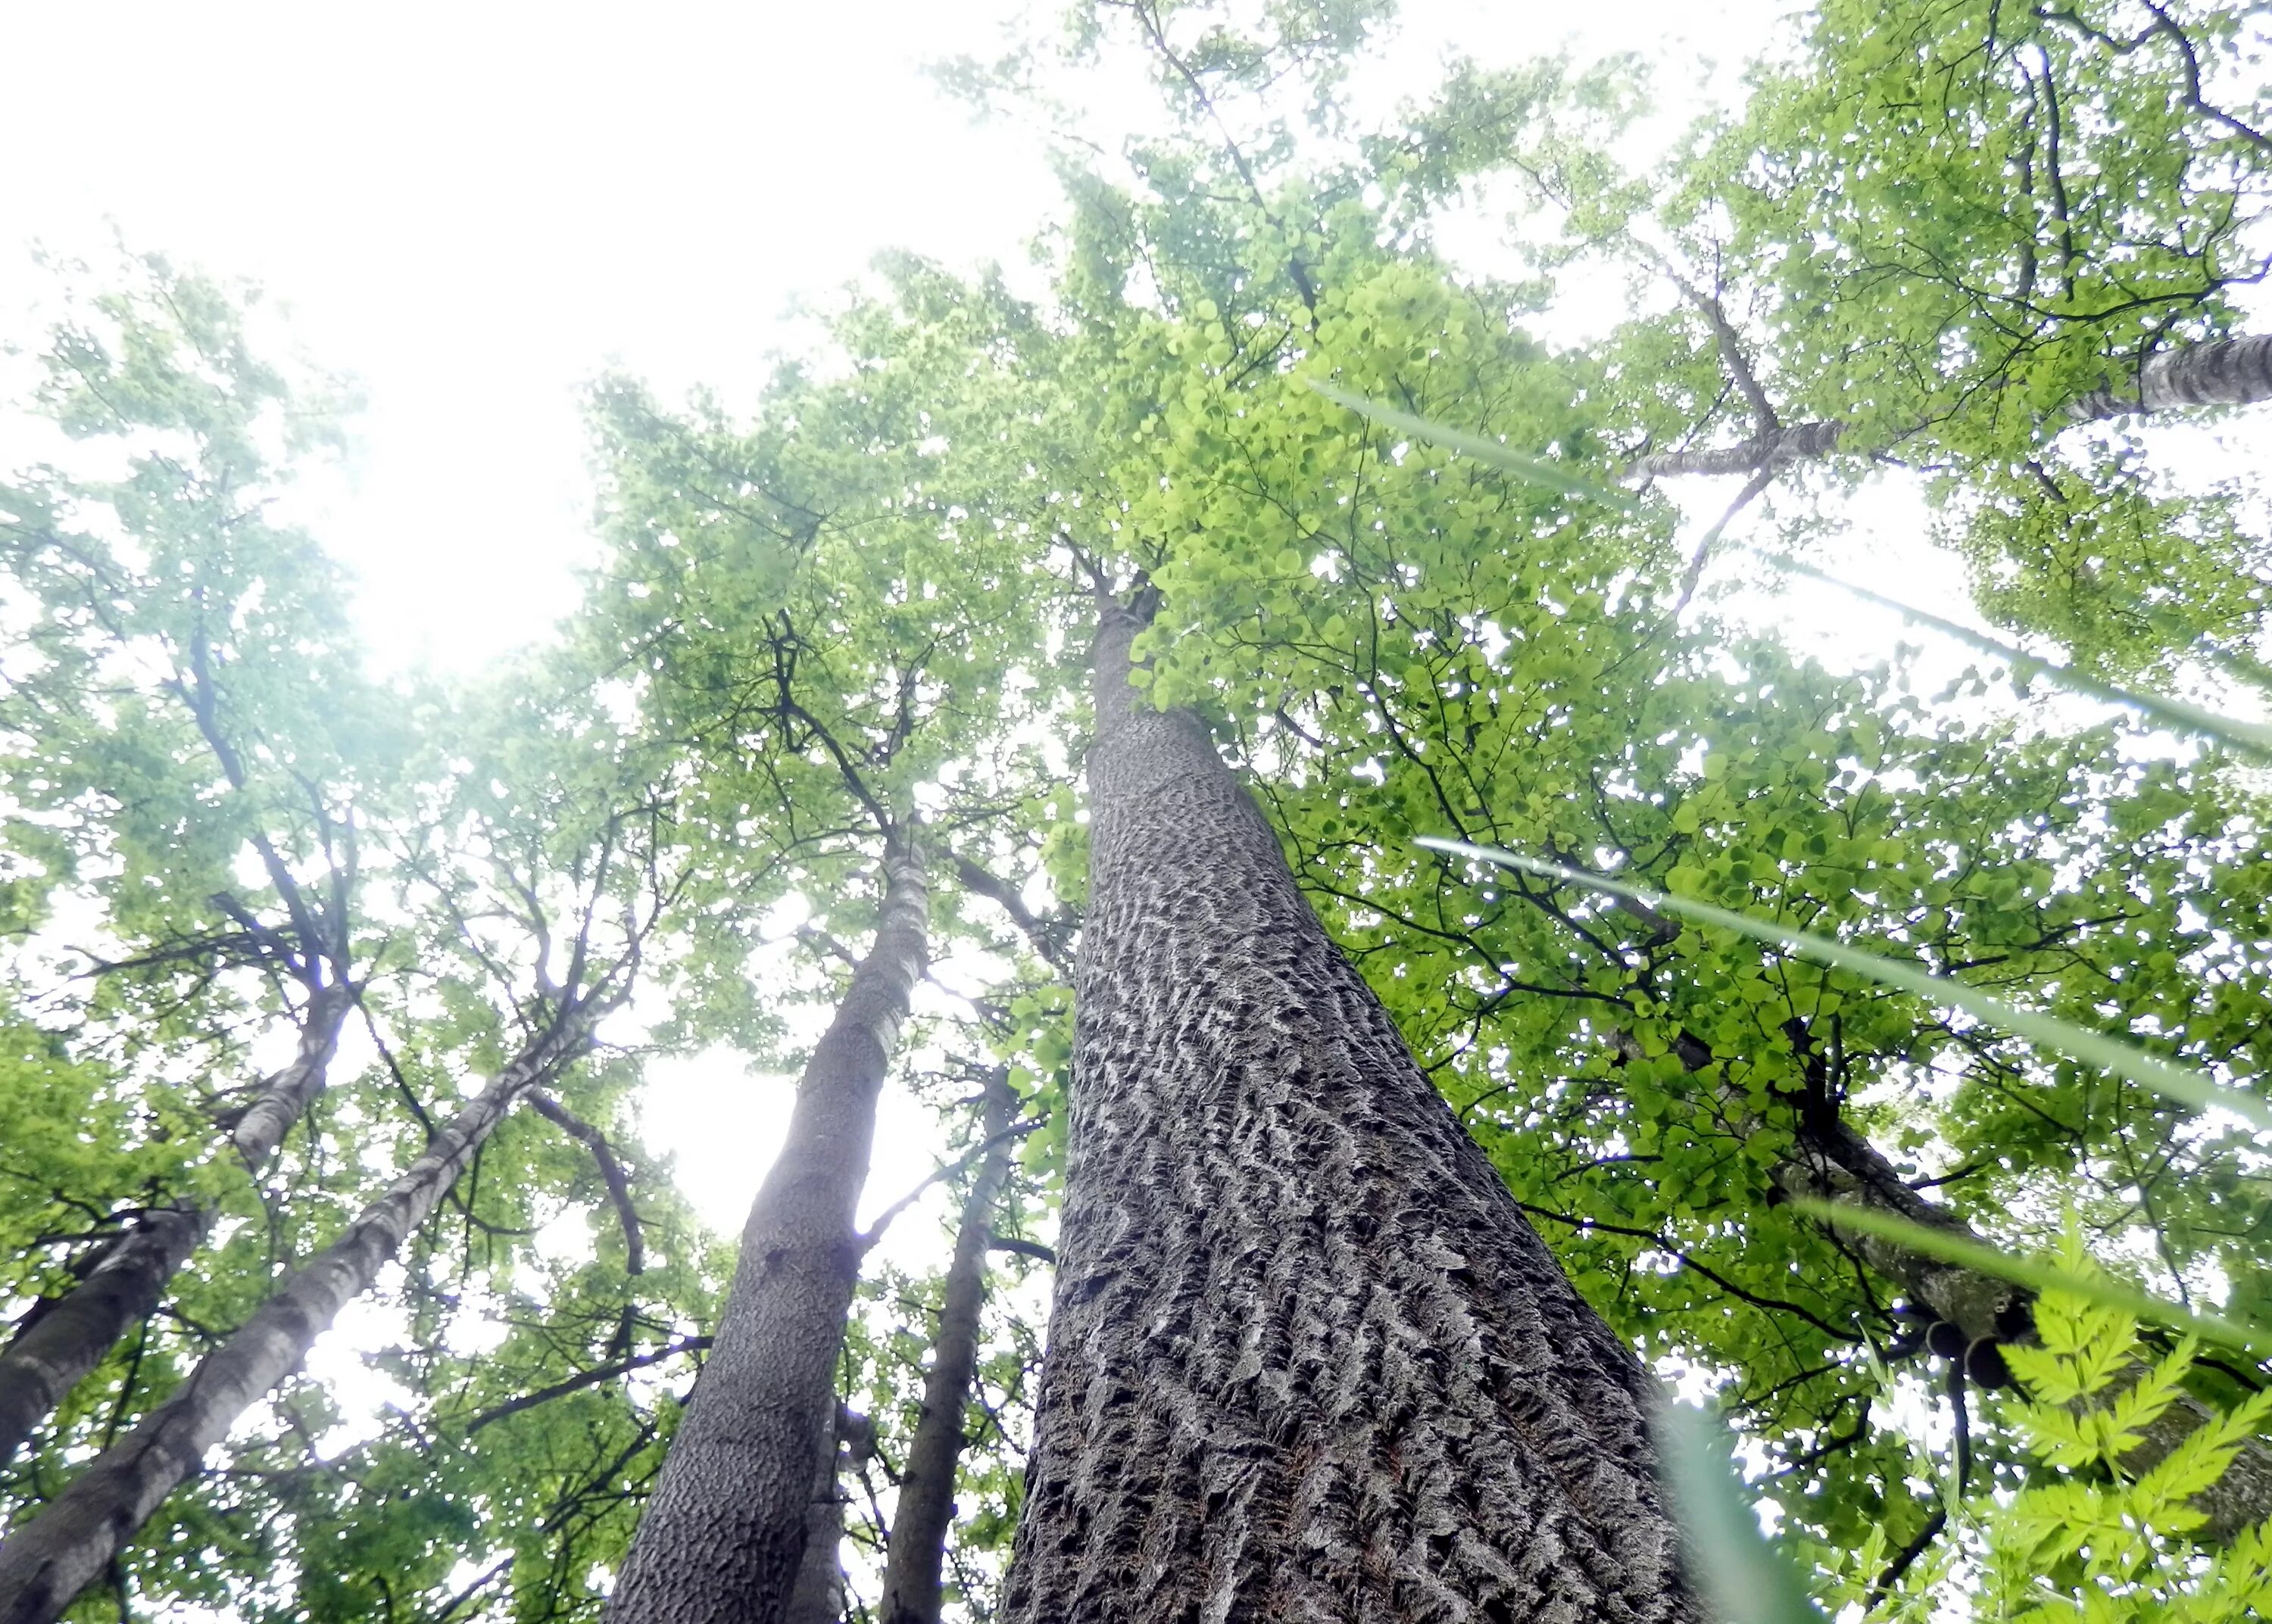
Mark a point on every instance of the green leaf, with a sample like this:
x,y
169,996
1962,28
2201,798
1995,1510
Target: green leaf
x,y
2251,738
2038,1275
1536,470
2177,1083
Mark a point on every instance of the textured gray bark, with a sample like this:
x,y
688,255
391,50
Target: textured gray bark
x,y
925,1507
71,1335
2223,372
2220,372
726,1529
1779,449
47,1561
1306,1359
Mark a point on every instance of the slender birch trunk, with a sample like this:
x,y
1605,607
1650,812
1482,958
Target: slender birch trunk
x,y
47,1561
2217,372
1307,1359
2221,372
925,1507
71,1335
724,1534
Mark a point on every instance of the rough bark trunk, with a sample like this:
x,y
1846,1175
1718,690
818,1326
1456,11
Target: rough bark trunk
x,y
1306,1359
925,1507
47,1561
723,1536
2220,372
71,1335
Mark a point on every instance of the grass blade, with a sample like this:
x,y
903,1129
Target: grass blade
x,y
2036,1274
2251,738
1745,1578
2247,667
2181,1083
1537,470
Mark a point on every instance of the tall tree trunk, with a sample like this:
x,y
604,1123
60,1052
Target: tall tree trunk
x,y
1307,1359
925,1507
68,1337
47,1561
723,1535
2217,372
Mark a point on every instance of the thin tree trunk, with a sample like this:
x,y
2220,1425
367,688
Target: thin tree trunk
x,y
926,1507
817,1595
67,1338
1797,442
2218,372
1306,1359
47,1560
726,1527
1831,1163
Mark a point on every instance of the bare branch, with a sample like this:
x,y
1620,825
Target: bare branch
x,y
875,1231
1022,1248
1046,934
589,1378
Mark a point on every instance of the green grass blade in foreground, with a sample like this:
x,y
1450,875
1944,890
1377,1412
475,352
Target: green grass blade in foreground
x,y
2181,1083
1747,1579
2249,669
2252,738
1537,470
2036,1274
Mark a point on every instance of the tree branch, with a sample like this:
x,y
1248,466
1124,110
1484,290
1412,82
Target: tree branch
x,y
589,1378
618,1181
1046,934
875,1231
1023,1248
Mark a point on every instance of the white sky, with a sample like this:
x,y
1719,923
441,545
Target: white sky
x,y
472,208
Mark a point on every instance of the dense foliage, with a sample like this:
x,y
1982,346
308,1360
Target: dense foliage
x,y
1944,248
